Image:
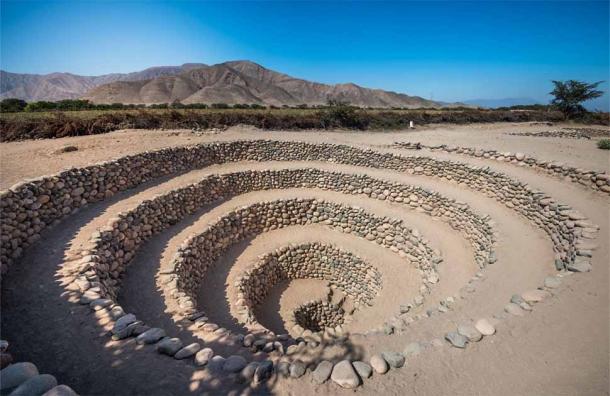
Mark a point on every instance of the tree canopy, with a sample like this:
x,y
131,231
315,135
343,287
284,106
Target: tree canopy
x,y
570,94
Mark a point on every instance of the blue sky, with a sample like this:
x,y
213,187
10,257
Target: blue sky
x,y
445,50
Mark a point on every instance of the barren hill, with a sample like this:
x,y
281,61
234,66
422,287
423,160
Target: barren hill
x,y
246,82
58,86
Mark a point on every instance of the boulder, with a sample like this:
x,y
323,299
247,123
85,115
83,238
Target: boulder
x,y
169,346
234,364
322,372
36,385
394,359
344,375
16,374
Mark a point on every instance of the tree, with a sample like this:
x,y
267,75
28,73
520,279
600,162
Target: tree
x,y
12,105
570,94
41,106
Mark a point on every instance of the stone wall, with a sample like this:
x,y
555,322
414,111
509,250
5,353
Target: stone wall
x,y
199,253
318,315
356,278
31,206
599,181
114,246
569,133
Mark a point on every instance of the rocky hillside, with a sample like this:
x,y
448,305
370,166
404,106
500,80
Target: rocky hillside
x,y
59,86
246,82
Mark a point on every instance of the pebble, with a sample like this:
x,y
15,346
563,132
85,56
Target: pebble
x,y
297,369
216,363
364,370
485,327
516,299
470,332
61,390
187,351
150,336
263,371
203,356
209,327
100,303
456,339
322,372
123,322
513,309
525,306
35,386
394,359
283,368
379,364
247,374
128,331
412,349
344,375
534,296
552,282
16,374
169,346
249,340
580,266
234,364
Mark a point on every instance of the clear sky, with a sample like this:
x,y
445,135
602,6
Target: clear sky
x,y
445,50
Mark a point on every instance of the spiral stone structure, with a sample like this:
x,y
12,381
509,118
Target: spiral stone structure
x,y
271,265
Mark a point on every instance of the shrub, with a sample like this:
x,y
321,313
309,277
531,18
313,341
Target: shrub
x,y
40,106
12,105
21,126
342,116
604,144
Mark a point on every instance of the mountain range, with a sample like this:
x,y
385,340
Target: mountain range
x,y
230,82
59,86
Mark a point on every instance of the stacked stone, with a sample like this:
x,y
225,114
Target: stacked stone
x,y
115,244
599,181
198,253
356,278
29,207
318,315
22,219
570,133
23,378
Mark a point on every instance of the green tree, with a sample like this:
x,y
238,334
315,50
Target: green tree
x,y
41,106
570,94
12,105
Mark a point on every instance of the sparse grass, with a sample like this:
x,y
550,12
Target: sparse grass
x,y
46,125
604,144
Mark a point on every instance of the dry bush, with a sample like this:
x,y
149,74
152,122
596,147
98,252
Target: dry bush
x,y
23,126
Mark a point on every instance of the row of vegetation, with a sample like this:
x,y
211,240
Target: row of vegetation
x,y
40,120
60,124
12,105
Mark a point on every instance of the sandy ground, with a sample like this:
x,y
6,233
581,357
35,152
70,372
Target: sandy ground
x,y
561,348
29,159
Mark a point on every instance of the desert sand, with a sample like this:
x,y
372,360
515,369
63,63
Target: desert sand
x,y
560,347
